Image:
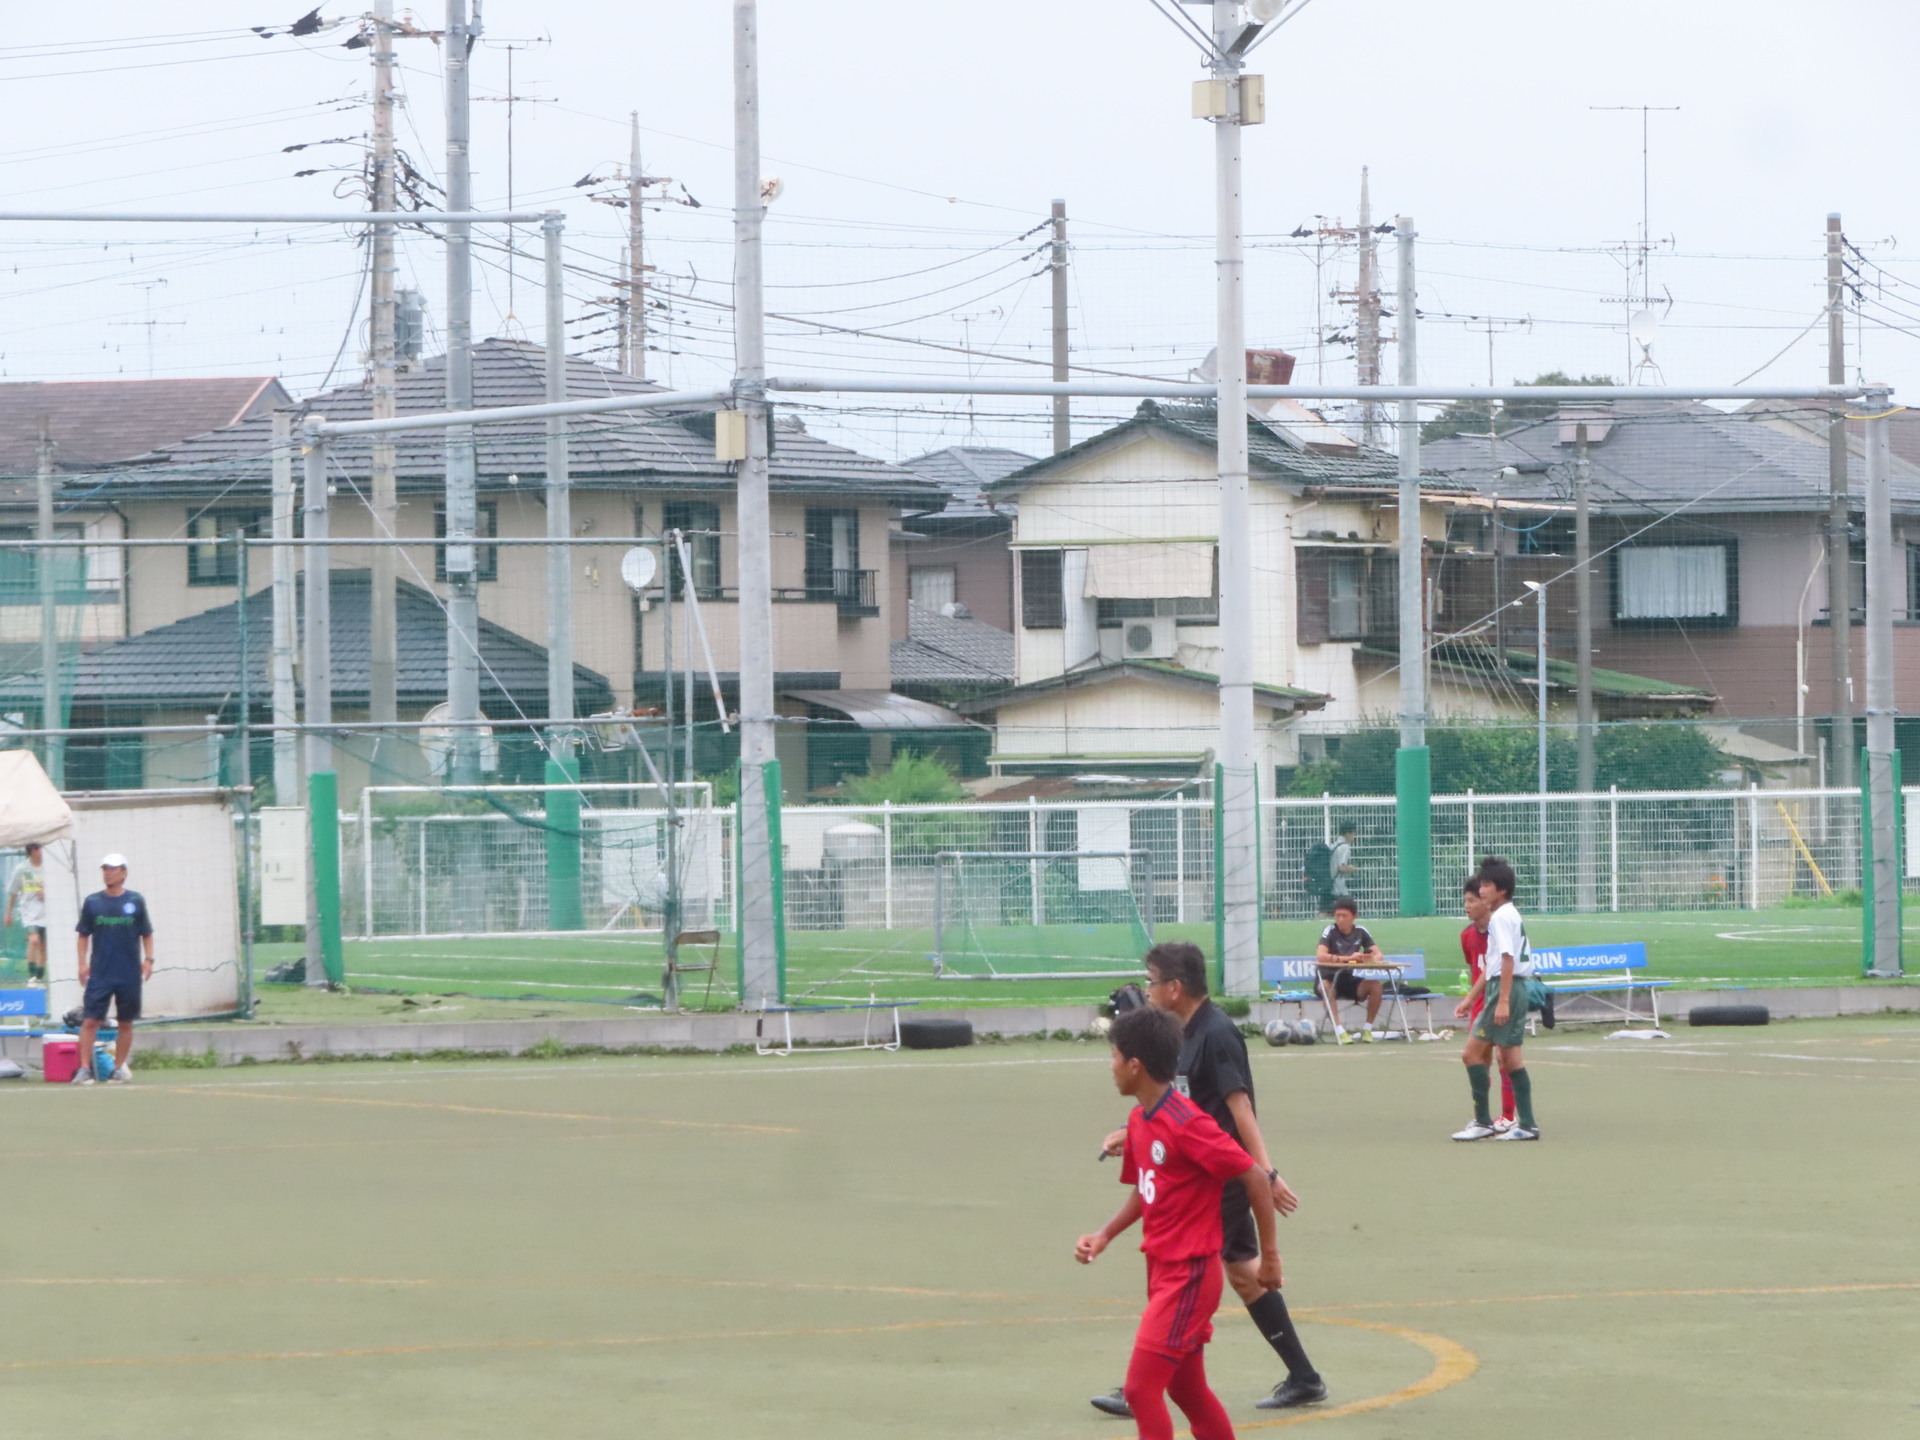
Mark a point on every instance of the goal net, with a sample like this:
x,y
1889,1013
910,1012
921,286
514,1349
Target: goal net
x,y
1041,915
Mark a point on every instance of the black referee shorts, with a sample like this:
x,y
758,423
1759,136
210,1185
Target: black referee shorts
x,y
1239,1237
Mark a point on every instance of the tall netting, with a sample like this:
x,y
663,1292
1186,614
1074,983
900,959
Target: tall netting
x,y
1031,915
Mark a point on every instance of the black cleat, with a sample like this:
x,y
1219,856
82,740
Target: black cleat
x,y
1113,1403
1290,1394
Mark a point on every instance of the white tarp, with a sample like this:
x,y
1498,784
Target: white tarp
x,y
183,856
1106,828
31,810
1149,570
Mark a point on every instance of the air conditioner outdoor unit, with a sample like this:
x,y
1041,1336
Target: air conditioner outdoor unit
x,y
1149,638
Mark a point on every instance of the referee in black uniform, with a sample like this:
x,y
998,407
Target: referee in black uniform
x,y
1213,1073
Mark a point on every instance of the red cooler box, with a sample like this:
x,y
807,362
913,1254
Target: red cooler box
x,y
60,1058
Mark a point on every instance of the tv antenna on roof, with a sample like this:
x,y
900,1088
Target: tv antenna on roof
x,y
148,324
1643,324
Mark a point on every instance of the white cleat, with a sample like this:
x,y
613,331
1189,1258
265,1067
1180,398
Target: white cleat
x,y
1474,1131
122,1076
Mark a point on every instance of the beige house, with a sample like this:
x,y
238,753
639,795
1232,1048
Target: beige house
x,y
634,475
1117,604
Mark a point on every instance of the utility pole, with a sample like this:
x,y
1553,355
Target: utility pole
x,y
462,510
1413,766
286,761
1236,773
1883,760
761,869
559,502
323,870
1583,660
1062,416
1366,325
382,616
633,335
53,713
1839,541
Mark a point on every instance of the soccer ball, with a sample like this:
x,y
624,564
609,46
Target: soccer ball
x,y
1305,1032
1279,1032
1100,1027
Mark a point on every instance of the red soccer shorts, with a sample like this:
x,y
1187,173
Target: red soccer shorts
x,y
1181,1298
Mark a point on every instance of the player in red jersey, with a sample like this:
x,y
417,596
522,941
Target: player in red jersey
x,y
1473,945
1178,1161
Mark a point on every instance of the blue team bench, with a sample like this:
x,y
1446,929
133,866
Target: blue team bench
x,y
20,1008
1601,971
1294,980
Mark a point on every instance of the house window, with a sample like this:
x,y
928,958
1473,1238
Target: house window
x,y
699,520
209,560
932,586
1347,598
20,569
1913,582
833,548
1659,584
486,558
1041,604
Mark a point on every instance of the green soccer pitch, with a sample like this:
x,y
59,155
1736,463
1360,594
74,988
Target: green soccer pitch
x,y
1746,947
1708,1241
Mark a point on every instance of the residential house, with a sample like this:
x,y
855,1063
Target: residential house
x,y
961,552
1709,536
634,474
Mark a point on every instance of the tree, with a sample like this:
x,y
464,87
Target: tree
x,y
909,780
1470,417
1495,758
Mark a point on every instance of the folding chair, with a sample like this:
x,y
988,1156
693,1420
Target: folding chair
x,y
670,983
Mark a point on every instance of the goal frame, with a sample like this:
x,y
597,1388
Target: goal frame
x,y
1141,859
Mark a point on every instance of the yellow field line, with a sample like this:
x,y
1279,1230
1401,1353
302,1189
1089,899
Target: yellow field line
x,y
717,1125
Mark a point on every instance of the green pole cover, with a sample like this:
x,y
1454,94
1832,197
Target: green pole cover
x,y
323,815
563,846
1413,828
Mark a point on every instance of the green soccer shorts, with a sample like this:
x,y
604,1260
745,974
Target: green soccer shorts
x,y
1514,1032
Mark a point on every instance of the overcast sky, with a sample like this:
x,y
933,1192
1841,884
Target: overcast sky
x,y
910,138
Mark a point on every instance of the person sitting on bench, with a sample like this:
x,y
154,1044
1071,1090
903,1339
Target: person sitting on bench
x,y
1344,945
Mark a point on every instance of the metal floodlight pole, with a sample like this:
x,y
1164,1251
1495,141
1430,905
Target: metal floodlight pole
x,y
759,869
1883,795
1239,881
52,711
1413,765
286,761
560,700
1540,681
1584,781
460,503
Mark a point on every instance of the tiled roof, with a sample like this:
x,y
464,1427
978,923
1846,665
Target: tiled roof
x,y
1656,455
941,650
195,661
1287,697
630,447
103,422
1484,663
964,472
1272,453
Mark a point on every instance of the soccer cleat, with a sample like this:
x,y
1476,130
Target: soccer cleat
x,y
1113,1403
1365,1036
1291,1393
1340,1036
1503,1124
82,1077
1474,1131
1520,1132
121,1076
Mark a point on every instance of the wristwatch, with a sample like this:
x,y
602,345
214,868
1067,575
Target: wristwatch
x,y
1272,1175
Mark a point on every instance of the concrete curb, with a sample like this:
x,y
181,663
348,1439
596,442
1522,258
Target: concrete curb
x,y
233,1044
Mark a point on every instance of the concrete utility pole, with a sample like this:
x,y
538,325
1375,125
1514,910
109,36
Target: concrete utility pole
x,y
1413,772
381,616
1237,775
1583,659
1366,321
761,862
1839,541
633,336
286,761
1883,778
318,607
1057,264
53,713
462,505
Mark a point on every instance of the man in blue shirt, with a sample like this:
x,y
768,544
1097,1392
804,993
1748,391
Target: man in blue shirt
x,y
116,958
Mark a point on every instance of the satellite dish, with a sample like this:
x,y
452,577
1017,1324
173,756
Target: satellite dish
x,y
1265,12
1642,328
637,568
771,189
1207,372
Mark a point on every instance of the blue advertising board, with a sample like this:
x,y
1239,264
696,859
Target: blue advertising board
x,y
1300,969
1582,959
18,1004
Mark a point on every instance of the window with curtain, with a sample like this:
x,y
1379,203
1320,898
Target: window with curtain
x,y
932,586
700,521
1674,582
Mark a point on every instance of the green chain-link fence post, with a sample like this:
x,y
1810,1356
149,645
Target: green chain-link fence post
x,y
563,846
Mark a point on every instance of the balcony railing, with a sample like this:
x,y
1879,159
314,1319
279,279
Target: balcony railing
x,y
852,590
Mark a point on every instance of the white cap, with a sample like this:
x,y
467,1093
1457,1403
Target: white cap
x,y
115,859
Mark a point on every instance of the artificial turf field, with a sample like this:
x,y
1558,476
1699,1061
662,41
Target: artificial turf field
x,y
1746,947
1713,1239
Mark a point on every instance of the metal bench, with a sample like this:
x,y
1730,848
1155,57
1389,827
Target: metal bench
x,y
1284,972
1603,971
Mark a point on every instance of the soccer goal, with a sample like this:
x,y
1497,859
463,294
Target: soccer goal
x,y
1041,914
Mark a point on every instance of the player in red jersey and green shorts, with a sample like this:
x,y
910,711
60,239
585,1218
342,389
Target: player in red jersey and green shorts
x,y
1473,947
1178,1162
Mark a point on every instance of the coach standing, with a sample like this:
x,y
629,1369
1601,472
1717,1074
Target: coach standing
x,y
116,959
1214,1074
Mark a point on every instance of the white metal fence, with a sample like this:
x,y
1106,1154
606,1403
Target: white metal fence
x,y
482,870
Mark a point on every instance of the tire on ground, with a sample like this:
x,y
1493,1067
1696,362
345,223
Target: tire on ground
x,y
1728,1015
930,1034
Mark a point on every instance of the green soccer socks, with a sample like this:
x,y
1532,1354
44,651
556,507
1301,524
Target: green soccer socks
x,y
1479,1082
1522,1097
